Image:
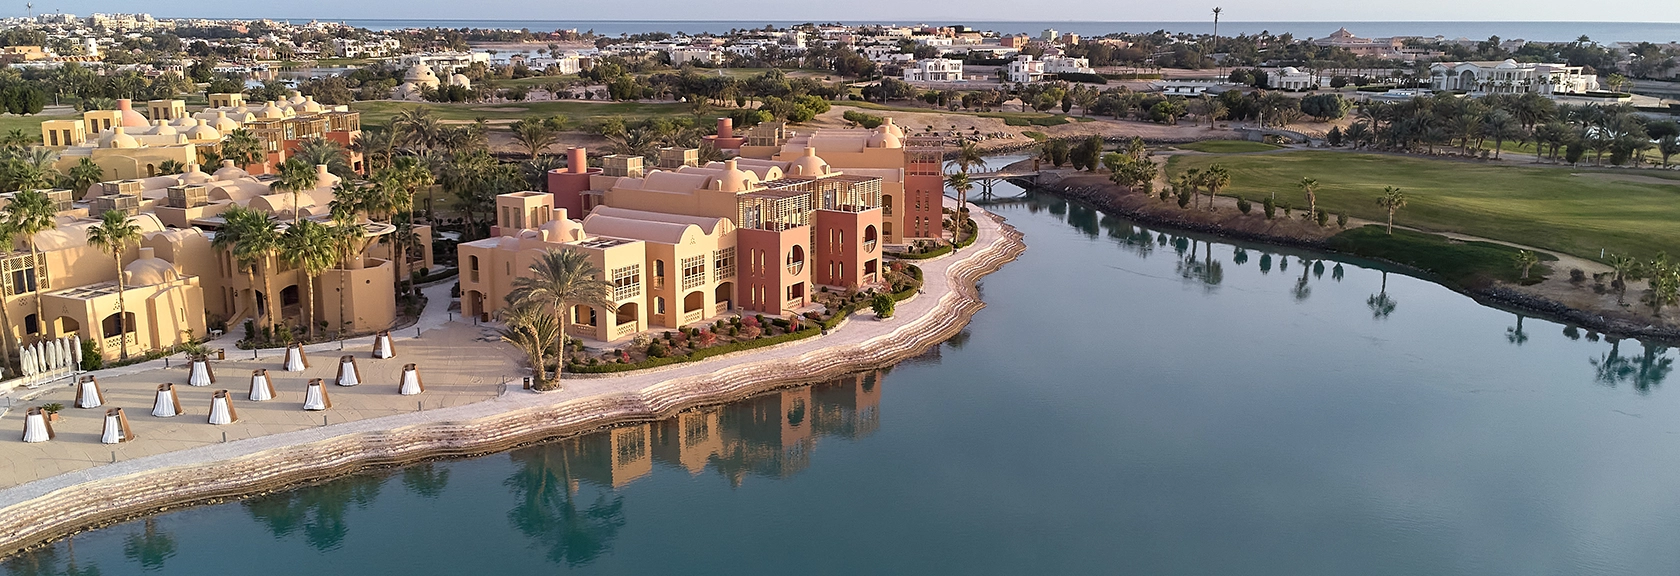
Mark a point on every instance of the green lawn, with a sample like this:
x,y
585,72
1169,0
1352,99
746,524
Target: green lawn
x,y
1009,118
1623,211
374,112
1227,146
1468,264
30,124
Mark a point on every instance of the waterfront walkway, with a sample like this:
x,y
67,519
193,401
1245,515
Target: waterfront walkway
x,y
467,406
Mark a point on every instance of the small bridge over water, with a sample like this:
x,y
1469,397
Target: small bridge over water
x,y
987,180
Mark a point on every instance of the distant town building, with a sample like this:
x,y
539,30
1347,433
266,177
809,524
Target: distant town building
x,y
934,70
1511,77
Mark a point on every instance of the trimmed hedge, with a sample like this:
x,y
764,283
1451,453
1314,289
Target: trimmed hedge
x,y
1082,77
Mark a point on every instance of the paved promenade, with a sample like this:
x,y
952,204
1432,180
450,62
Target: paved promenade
x,y
466,409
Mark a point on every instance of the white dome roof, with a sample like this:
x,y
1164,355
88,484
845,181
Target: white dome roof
x,y
229,172
149,271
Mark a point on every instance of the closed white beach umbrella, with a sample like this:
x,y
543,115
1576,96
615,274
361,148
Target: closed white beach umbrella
x,y
116,427
221,409
411,381
36,428
382,346
26,365
348,375
262,389
88,394
41,358
201,374
53,362
76,348
315,396
63,352
296,360
167,405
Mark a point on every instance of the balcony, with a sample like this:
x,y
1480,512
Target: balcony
x,y
624,329
869,246
720,308
795,267
693,316
658,283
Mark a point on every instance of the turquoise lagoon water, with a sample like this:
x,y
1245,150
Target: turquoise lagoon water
x,y
1130,401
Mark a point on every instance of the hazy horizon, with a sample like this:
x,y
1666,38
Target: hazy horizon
x,y
1640,11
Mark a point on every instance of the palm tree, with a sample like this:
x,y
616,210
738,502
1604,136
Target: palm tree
x,y
533,331
969,158
1624,269
559,280
236,222
8,239
30,213
416,127
1526,260
320,151
259,241
959,182
348,238
1310,186
83,176
534,135
1214,178
296,176
376,143
112,235
1392,200
243,148
309,246
1381,303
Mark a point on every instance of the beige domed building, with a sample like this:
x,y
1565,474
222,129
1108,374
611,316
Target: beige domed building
x,y
421,78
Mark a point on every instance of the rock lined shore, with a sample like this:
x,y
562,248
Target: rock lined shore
x,y
45,510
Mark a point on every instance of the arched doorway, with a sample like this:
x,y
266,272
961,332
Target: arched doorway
x,y
111,328
289,296
870,238
68,325
724,296
583,315
473,303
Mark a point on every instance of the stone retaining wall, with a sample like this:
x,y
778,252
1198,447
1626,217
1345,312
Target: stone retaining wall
x,y
98,498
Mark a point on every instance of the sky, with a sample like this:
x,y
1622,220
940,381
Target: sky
x,y
882,10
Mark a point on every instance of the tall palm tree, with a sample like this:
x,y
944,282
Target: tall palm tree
x,y
1526,260
30,213
113,235
969,158
258,244
959,182
236,222
1214,178
8,239
416,127
1392,200
1310,186
309,246
348,238
561,279
296,176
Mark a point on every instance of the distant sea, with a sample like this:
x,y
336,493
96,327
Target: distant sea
x,y
1534,31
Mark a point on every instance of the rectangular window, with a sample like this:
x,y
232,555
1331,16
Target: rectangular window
x,y
627,282
693,271
723,263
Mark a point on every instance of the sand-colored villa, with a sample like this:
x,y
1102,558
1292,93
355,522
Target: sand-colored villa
x,y
684,243
127,144
176,285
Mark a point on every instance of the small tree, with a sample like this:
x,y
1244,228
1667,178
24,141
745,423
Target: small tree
x,y
1391,200
883,305
1526,260
113,235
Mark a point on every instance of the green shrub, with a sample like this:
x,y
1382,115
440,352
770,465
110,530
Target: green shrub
x,y
91,359
1270,207
883,305
1322,217
1243,205
1341,220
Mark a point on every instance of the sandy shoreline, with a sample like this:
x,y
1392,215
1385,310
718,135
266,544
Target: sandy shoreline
x,y
41,511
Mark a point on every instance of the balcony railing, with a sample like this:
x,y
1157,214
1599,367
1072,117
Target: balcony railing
x,y
795,267
624,329
720,307
869,246
658,283
693,316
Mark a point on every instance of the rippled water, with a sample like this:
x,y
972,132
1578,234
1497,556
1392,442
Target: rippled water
x,y
1130,401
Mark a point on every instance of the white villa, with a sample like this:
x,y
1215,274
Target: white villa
x,y
1025,70
934,70
1511,77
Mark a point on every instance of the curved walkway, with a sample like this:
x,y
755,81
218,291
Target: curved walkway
x,y
48,508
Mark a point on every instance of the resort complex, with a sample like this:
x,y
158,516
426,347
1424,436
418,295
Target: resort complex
x,y
378,292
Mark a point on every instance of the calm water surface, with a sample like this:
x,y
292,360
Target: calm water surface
x,y
1129,402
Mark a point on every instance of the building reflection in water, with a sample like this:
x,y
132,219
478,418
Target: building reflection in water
x,y
567,489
